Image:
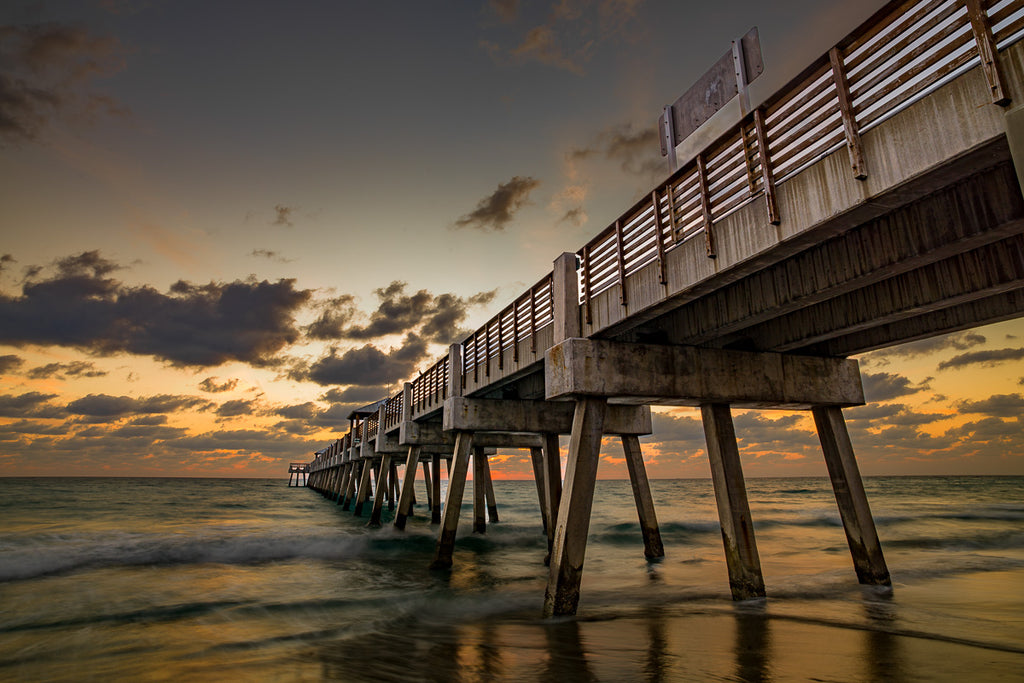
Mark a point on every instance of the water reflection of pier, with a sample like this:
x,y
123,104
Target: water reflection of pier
x,y
873,200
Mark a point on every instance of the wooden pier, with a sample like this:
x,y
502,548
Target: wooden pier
x,y
875,199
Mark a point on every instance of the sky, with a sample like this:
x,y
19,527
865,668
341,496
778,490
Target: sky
x,y
225,225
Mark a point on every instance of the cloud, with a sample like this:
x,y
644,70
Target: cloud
x,y
544,45
107,406
30,404
434,317
236,408
76,368
986,358
210,385
269,255
960,341
883,386
190,325
496,211
4,260
636,151
997,405
47,71
361,395
335,314
283,216
10,362
507,10
366,365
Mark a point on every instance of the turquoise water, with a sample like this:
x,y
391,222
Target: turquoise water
x,y
217,579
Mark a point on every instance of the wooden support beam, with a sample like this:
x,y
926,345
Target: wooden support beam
x,y
346,476
705,207
408,482
392,484
535,417
988,52
492,503
350,490
563,591
745,578
453,502
588,316
854,510
479,488
537,460
435,489
653,547
552,486
426,485
686,375
363,492
853,144
383,484
767,172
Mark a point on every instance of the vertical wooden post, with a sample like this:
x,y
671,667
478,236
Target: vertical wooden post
x,y
363,493
479,487
349,496
552,486
745,578
659,236
453,502
435,487
620,256
492,504
408,481
426,485
565,298
537,459
860,168
533,317
563,590
850,497
346,476
588,316
383,482
767,173
988,52
455,370
393,484
705,206
515,331
653,547
670,195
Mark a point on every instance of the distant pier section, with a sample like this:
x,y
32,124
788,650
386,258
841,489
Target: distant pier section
x,y
874,200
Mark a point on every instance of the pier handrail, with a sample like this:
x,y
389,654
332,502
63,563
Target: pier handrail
x,y
902,53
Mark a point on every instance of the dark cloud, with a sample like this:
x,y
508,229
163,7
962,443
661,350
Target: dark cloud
x,y
883,386
997,405
547,46
335,314
30,404
959,341
210,385
283,216
78,368
236,408
360,395
46,72
10,362
892,414
507,10
435,318
107,406
4,260
636,151
366,365
987,358
269,255
301,411
191,325
496,210
575,216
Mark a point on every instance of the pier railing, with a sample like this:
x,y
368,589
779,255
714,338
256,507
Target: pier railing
x,y
897,57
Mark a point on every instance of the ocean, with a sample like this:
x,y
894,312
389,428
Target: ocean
x,y
251,580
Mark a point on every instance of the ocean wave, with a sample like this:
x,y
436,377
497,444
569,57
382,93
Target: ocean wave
x,y
63,554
